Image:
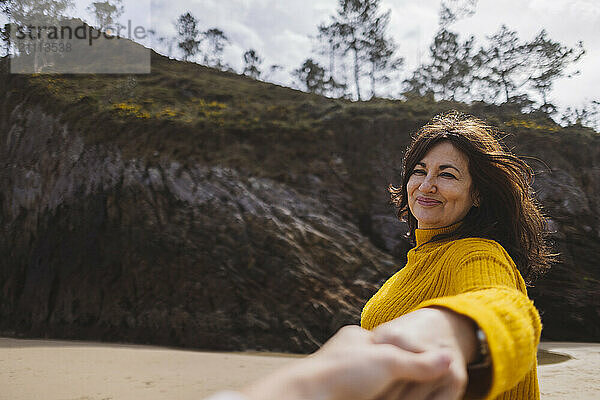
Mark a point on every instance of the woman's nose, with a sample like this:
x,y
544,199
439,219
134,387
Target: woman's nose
x,y
428,185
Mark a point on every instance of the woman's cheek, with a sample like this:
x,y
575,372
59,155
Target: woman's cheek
x,y
412,184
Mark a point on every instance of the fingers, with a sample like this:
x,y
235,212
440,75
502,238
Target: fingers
x,y
414,366
418,391
389,335
447,393
395,392
450,386
453,387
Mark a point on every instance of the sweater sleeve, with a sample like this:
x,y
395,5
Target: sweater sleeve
x,y
486,286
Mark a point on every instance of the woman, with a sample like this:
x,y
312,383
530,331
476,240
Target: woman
x,y
478,233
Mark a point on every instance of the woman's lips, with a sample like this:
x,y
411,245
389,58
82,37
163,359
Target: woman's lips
x,y
424,202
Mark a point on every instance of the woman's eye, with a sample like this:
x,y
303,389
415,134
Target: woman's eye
x,y
446,174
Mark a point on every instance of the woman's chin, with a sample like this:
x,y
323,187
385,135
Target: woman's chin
x,y
427,219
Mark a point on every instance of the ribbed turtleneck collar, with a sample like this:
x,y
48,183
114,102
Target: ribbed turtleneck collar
x,y
424,235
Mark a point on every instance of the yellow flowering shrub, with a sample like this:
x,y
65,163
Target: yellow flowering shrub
x,y
203,104
530,125
130,109
167,113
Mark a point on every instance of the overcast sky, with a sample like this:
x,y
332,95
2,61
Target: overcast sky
x,y
280,30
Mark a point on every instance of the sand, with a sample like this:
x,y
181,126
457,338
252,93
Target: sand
x,y
68,370
575,379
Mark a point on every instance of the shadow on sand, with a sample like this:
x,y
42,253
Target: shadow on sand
x,y
550,357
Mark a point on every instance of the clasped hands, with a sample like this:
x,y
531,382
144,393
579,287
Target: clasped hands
x,y
421,355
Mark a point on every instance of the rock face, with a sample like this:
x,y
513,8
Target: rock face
x,y
96,246
99,247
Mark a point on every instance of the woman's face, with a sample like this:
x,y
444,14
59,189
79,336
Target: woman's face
x,y
439,187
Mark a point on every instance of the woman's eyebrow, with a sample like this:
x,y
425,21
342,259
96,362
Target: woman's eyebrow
x,y
443,166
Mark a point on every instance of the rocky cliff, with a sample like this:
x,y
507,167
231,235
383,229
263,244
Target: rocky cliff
x,y
114,237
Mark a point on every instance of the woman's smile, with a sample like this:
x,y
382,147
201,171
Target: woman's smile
x,y
428,202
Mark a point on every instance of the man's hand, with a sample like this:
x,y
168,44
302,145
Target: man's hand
x,y
351,366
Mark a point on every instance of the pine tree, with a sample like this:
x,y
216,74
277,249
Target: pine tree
x,y
35,14
350,29
587,115
419,84
449,73
330,45
549,61
252,63
216,41
312,75
453,10
106,13
189,41
380,52
5,37
503,63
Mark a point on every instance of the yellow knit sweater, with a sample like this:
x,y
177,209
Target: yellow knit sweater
x,y
474,277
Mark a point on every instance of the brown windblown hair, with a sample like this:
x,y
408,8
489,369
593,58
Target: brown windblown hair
x,y
507,213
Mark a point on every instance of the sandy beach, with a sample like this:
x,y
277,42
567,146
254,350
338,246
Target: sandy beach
x,y
70,370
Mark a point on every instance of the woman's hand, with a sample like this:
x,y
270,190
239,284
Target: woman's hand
x,y
350,366
426,330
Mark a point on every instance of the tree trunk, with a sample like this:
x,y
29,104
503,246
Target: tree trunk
x,y
331,61
505,87
356,73
373,79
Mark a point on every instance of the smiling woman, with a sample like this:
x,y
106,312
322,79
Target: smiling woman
x,y
478,232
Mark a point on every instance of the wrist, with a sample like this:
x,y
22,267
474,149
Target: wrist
x,y
482,359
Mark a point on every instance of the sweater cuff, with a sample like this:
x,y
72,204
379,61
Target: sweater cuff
x,y
511,359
